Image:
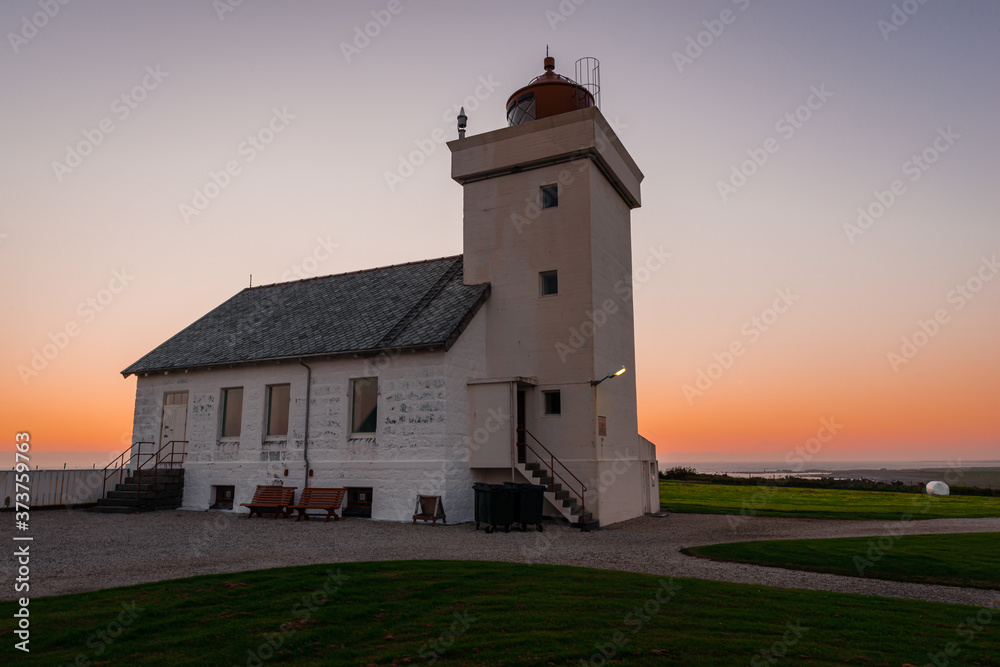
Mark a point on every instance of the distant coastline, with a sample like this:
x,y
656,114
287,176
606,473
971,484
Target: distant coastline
x,y
971,473
985,474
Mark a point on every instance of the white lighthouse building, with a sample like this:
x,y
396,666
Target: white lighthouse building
x,y
495,365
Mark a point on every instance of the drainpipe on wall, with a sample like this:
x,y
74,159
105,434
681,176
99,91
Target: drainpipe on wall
x,y
513,429
597,452
305,439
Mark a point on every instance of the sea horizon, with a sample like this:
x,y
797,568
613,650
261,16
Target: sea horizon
x,y
816,467
77,460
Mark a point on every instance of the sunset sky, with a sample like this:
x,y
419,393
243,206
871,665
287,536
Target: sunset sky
x,y
762,128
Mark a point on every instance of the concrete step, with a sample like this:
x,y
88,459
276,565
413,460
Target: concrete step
x,y
123,509
129,482
139,492
149,486
167,476
147,481
144,494
131,501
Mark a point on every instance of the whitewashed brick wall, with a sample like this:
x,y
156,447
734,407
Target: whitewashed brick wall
x,y
420,445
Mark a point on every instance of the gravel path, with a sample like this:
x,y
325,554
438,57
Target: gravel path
x,y
77,551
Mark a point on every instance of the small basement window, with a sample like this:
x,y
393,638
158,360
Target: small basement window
x,y
359,502
550,196
548,283
223,497
552,402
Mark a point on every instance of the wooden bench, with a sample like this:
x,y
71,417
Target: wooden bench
x,y
276,498
319,499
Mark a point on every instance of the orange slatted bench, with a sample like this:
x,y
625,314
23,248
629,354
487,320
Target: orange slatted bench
x,y
276,498
319,499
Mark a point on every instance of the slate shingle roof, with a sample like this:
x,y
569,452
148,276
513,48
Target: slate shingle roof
x,y
417,305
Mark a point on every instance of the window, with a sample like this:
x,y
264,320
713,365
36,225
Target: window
x,y
223,498
364,405
175,398
522,109
232,412
359,502
553,402
550,196
277,409
548,282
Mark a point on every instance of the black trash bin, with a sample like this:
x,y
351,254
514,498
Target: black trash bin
x,y
494,506
528,501
482,495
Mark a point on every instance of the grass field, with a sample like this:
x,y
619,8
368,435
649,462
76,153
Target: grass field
x,y
819,503
966,559
487,613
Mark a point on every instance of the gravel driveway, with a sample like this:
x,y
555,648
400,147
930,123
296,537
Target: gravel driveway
x,y
77,551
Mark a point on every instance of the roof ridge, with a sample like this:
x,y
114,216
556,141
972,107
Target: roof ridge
x,y
422,303
294,320
351,273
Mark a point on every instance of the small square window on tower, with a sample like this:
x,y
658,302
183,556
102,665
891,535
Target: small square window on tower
x,y
552,402
550,196
548,283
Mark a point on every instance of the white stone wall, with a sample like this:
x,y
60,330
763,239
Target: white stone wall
x,y
621,478
420,445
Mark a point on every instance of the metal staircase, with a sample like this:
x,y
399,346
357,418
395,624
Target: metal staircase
x,y
155,484
564,490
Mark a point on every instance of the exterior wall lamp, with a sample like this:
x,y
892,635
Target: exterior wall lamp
x,y
608,376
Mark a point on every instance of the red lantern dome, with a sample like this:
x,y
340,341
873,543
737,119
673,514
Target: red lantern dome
x,y
547,95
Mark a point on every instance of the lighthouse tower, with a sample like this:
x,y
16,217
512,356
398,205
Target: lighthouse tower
x,y
547,205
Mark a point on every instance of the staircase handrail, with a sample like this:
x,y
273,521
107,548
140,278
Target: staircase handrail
x,y
581,494
157,459
118,465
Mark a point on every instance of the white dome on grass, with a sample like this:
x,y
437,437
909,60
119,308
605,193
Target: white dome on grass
x,y
938,489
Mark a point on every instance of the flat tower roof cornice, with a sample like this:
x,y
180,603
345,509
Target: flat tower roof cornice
x,y
561,138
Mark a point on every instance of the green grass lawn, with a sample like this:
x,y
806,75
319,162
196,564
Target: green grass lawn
x,y
966,559
473,613
703,498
